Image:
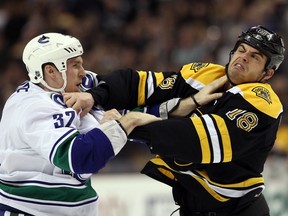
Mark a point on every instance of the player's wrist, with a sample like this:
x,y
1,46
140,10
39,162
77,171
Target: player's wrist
x,y
195,101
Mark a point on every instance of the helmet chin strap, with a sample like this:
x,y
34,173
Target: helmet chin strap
x,y
229,80
62,89
226,68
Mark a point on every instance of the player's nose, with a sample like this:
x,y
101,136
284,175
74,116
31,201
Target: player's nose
x,y
82,72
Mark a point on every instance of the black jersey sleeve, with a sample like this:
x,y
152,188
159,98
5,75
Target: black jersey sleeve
x,y
118,91
239,127
128,88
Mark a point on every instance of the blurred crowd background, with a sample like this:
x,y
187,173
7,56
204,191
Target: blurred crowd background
x,y
158,35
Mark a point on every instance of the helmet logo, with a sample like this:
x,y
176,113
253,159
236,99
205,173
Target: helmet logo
x,y
43,39
262,32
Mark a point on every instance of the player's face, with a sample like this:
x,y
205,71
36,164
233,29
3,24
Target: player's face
x,y
247,65
75,72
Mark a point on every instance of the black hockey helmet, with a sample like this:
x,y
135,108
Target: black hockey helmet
x,y
267,42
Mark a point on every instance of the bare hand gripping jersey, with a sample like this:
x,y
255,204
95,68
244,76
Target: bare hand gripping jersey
x,y
47,154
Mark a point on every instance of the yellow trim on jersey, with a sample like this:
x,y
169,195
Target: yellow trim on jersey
x,y
159,161
211,191
226,142
182,164
159,77
186,71
245,184
204,73
205,181
143,82
202,135
262,97
167,173
141,87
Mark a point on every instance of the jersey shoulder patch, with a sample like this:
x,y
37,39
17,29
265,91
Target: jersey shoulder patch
x,y
197,66
263,93
261,96
200,74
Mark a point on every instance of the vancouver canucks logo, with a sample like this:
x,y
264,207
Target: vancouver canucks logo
x,y
87,82
262,93
43,39
58,98
197,66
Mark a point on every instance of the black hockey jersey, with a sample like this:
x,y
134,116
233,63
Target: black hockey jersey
x,y
222,147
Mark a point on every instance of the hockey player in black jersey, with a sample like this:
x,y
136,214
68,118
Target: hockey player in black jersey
x,y
213,156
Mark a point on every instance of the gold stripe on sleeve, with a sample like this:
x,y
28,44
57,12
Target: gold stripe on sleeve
x,y
206,154
141,87
159,78
226,142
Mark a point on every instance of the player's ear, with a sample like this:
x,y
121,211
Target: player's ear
x,y
49,70
268,74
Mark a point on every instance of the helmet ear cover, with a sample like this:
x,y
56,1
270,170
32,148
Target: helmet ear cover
x,y
267,42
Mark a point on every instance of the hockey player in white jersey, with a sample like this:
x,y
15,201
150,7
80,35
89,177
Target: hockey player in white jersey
x,y
47,152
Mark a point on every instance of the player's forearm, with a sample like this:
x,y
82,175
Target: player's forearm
x,y
203,97
134,119
185,107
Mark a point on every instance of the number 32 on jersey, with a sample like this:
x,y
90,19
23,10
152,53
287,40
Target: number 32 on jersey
x,y
64,119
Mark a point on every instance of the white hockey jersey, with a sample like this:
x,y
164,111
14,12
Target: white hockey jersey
x,y
47,154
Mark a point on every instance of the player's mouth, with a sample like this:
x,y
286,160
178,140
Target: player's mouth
x,y
239,66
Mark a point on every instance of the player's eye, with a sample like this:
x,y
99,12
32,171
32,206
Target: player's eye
x,y
241,50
